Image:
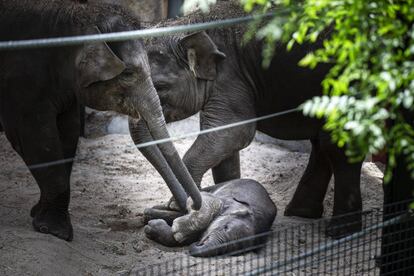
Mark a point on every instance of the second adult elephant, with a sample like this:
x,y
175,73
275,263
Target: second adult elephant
x,y
209,72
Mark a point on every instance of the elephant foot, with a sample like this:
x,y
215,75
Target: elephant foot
x,y
304,210
35,209
196,221
159,231
342,226
161,212
54,222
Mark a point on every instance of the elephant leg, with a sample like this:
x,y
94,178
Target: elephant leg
x,y
228,169
203,155
170,211
308,198
38,143
347,210
162,212
212,149
195,222
68,126
187,228
161,232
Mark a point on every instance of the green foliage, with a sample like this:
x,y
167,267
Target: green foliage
x,y
371,84
370,45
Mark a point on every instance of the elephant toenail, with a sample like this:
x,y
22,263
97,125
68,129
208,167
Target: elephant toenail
x,y
44,229
179,237
147,229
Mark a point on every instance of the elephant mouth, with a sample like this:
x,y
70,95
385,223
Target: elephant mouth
x,y
131,109
209,246
202,242
203,249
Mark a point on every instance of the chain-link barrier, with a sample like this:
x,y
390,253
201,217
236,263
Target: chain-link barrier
x,y
306,250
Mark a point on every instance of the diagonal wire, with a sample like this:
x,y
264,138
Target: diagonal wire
x,y
196,133
179,137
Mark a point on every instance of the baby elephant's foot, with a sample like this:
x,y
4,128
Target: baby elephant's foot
x,y
162,212
159,231
54,222
196,220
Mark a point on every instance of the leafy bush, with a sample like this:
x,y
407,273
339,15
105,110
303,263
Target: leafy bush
x,y
370,88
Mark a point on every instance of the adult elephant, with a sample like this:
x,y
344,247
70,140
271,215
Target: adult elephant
x,y
40,92
211,73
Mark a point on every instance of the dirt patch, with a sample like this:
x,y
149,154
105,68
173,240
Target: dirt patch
x,y
112,183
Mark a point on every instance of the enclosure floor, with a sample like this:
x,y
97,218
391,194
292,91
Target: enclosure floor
x,y
111,184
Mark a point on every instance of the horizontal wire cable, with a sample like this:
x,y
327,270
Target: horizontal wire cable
x,y
178,137
130,35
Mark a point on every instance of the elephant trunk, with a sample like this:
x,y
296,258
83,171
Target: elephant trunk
x,y
140,134
149,108
219,242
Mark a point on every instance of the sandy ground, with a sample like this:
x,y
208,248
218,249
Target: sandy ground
x,y
111,184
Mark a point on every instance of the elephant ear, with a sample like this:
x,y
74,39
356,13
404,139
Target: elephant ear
x,y
202,55
97,62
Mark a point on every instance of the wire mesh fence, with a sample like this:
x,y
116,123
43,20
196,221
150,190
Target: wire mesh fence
x,y
308,250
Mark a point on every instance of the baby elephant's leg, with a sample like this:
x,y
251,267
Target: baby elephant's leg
x,y
162,212
159,231
196,221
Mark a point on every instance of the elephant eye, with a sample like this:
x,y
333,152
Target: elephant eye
x,y
161,86
128,76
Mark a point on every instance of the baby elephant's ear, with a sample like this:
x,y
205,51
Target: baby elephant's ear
x,y
97,62
202,54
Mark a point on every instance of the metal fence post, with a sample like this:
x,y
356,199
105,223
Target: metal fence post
x,y
397,247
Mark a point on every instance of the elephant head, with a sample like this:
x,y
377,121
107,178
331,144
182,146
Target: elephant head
x,y
183,71
225,235
116,76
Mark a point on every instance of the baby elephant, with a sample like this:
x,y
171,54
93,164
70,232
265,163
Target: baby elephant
x,y
231,214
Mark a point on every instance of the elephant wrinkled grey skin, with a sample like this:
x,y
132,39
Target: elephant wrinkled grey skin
x,y
211,73
232,217
41,90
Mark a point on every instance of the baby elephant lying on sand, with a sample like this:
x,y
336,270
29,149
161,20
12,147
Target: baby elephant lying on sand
x,y
230,211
